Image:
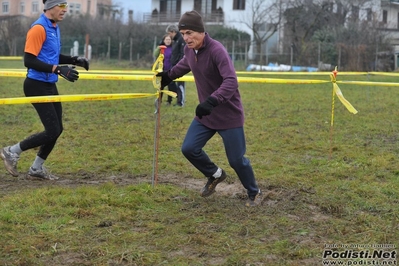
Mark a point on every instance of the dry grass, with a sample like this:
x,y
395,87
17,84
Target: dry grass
x,y
105,212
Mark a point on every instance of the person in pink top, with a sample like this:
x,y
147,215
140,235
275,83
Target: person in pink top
x,y
220,109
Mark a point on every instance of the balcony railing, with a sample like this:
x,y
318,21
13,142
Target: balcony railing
x,y
164,18
388,2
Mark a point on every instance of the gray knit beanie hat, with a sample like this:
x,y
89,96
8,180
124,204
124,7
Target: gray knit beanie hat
x,y
49,4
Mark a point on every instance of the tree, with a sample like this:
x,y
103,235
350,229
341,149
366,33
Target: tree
x,y
264,20
11,30
339,29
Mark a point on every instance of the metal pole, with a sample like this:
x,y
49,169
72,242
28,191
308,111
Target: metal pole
x,y
87,46
131,50
318,57
109,48
120,51
292,55
156,141
232,53
376,56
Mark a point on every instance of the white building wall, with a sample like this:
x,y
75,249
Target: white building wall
x,y
235,18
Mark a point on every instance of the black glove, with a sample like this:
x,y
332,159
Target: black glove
x,y
67,72
205,108
165,81
80,61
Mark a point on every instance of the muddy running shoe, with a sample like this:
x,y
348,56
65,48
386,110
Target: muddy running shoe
x,y
254,200
210,186
41,174
10,160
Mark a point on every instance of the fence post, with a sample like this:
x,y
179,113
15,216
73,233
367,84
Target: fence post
x,y
120,51
376,57
318,56
131,50
246,54
87,46
292,54
232,53
109,48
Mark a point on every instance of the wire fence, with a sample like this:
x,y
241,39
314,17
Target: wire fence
x,y
316,55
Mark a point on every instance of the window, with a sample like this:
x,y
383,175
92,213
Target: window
x,y
74,8
205,6
35,7
260,27
170,6
328,6
22,8
77,9
239,5
384,16
5,7
355,13
339,8
369,14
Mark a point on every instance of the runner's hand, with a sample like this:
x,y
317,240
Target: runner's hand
x,y
67,72
80,61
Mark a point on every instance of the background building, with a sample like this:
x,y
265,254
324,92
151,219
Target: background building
x,y
32,8
245,15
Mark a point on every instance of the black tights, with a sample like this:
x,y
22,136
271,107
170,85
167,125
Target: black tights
x,y
50,114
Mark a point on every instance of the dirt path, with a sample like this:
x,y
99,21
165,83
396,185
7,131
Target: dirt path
x,y
9,184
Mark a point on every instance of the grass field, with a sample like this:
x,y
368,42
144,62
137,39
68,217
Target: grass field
x,y
322,188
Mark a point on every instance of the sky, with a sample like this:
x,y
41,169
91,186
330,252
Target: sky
x,y
138,6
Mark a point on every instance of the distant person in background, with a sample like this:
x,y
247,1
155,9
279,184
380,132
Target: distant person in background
x,y
43,58
219,110
167,41
177,55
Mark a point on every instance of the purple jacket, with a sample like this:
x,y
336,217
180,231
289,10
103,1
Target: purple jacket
x,y
214,75
167,64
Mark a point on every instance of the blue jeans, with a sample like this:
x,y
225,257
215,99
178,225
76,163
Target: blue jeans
x,y
234,144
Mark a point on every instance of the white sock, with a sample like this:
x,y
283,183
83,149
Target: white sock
x,y
16,149
38,163
218,173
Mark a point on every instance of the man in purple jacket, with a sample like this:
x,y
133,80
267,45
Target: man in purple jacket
x,y
220,109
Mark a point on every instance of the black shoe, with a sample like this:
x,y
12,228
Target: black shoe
x,y
210,186
254,200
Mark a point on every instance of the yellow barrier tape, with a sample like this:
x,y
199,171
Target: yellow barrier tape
x,y
19,73
150,72
12,74
75,98
279,81
110,71
393,74
11,57
339,94
158,67
301,73
370,83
